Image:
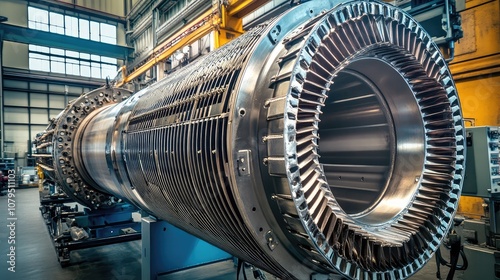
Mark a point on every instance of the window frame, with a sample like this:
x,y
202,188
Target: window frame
x,y
88,64
97,35
61,61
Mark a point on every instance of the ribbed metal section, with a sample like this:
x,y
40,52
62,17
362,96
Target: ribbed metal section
x,y
177,156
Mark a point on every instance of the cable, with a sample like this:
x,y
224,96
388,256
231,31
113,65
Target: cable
x,y
441,261
454,255
456,251
257,273
239,269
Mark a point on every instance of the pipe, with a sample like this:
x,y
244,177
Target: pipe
x,y
326,141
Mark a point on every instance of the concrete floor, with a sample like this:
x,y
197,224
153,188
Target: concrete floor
x,y
36,257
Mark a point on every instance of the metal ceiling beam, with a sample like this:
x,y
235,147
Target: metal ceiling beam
x,y
27,75
31,36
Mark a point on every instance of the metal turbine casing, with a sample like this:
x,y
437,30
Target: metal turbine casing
x,y
328,140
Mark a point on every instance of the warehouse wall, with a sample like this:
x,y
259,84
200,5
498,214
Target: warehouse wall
x,y
476,67
15,55
28,106
15,10
480,97
18,8
115,7
30,102
476,70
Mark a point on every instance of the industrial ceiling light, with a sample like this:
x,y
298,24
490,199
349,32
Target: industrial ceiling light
x,y
325,141
186,49
179,55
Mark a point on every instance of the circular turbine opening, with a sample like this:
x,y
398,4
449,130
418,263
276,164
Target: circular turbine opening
x,y
375,169
371,143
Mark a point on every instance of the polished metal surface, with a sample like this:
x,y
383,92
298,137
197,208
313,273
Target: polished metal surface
x,y
326,141
65,135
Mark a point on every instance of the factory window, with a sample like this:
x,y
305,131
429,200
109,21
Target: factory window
x,y
38,19
57,23
71,26
84,29
74,26
71,63
94,31
108,33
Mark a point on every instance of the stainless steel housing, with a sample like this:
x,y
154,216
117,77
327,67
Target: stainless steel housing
x,y
326,141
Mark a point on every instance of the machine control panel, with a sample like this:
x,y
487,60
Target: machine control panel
x,y
482,175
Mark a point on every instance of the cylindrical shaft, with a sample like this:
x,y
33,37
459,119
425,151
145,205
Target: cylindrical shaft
x,y
328,140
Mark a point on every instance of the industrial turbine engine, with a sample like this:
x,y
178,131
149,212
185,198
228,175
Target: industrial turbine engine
x,y
328,140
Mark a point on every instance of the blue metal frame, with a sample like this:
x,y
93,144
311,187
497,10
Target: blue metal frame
x,y
166,248
32,36
106,223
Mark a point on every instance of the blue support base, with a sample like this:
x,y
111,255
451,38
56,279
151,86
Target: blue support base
x,y
166,248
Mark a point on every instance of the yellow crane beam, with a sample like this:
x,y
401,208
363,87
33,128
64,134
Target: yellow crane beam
x,y
196,30
225,21
191,27
229,27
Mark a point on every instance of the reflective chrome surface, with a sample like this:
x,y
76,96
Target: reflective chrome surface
x,y
387,217
372,161
327,141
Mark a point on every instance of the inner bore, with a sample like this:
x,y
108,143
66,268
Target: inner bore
x,y
369,146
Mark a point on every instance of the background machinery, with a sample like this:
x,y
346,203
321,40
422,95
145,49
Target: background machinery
x,y
481,235
71,226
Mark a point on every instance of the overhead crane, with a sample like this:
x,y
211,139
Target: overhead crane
x,y
224,20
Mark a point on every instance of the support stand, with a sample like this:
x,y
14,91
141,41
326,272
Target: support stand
x,y
167,249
